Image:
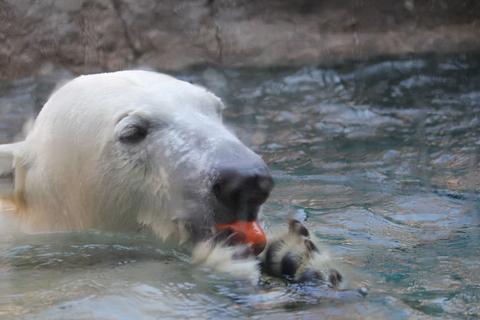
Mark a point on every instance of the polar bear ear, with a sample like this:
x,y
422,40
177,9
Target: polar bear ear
x,y
7,169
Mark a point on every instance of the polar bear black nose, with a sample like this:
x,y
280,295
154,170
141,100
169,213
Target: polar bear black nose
x,y
242,190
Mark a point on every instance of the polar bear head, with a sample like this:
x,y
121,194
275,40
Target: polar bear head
x,y
131,150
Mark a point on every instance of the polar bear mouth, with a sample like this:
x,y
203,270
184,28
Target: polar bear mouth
x,y
239,194
234,198
247,232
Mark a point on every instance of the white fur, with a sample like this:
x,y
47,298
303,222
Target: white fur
x,y
71,173
221,258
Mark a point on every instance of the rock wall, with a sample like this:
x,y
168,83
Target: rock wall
x,y
37,36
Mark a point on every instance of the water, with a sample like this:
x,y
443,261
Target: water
x,y
378,157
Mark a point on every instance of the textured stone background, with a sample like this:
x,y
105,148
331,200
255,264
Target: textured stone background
x,y
38,36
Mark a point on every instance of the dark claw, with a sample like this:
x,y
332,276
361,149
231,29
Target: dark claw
x,y
235,239
295,226
258,249
310,246
335,277
228,237
222,235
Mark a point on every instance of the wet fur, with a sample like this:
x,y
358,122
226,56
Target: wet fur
x,y
295,255
291,253
125,151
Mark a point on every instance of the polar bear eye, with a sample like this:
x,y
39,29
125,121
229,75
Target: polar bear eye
x,y
134,134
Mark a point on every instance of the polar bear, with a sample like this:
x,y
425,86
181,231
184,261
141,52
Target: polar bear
x,y
131,150
139,150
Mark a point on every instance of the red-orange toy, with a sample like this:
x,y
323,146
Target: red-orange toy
x,y
254,235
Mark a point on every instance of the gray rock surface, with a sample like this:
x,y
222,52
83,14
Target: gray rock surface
x,y
37,36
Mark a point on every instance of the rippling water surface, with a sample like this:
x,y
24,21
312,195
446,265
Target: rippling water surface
x,y
380,158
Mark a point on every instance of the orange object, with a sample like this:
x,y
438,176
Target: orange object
x,y
254,235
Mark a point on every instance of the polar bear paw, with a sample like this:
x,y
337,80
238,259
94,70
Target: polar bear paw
x,y
293,254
